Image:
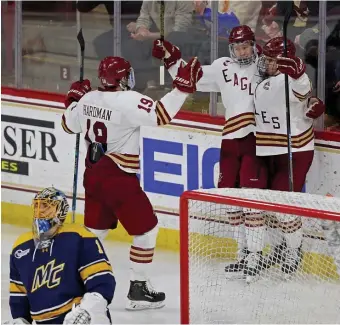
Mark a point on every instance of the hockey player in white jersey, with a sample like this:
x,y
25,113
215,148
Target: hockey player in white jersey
x,y
110,118
271,137
235,77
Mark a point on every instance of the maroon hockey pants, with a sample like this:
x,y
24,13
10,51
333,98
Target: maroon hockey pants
x,y
111,194
279,170
239,165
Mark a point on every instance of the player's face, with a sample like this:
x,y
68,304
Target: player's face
x,y
43,209
243,50
271,66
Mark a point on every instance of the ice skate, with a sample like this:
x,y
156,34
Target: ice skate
x,y
235,270
293,257
253,267
142,296
276,256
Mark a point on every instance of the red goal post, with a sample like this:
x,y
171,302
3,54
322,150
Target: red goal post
x,y
207,209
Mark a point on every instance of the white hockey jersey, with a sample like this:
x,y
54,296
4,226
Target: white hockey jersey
x,y
270,114
237,85
114,119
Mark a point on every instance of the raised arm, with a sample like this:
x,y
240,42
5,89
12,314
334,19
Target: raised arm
x,y
171,56
142,110
299,83
70,121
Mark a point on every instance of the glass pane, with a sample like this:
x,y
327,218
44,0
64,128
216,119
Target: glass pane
x,y
332,91
181,29
7,43
49,45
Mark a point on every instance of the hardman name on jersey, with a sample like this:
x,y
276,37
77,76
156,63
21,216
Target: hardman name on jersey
x,y
97,112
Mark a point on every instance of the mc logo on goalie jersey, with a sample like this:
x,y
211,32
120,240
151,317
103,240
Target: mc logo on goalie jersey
x,y
47,275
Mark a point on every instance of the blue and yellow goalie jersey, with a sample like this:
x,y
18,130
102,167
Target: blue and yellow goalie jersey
x,y
45,283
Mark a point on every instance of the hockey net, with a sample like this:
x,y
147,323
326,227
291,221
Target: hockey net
x,y
208,243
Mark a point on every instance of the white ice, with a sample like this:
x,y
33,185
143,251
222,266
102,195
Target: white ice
x,y
269,300
165,277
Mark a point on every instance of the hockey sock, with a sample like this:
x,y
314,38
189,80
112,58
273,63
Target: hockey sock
x,y
255,230
236,221
292,231
141,255
274,232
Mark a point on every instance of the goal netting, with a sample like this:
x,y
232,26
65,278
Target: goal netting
x,y
213,227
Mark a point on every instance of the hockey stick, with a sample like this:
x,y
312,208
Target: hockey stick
x,y
81,41
161,18
288,13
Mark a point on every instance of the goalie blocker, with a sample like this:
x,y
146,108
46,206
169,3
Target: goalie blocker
x,y
112,116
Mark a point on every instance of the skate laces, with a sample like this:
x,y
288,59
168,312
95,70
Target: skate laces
x,y
292,256
150,288
253,260
241,254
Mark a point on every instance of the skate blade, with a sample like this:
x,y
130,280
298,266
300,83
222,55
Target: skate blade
x,y
234,275
252,278
141,305
288,276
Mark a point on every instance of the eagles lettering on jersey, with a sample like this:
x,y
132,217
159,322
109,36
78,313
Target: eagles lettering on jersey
x,y
236,84
114,119
45,283
270,114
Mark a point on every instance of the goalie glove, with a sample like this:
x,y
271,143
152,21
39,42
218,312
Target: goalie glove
x,y
316,107
188,75
293,66
77,90
91,310
167,52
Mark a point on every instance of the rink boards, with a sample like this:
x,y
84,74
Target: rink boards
x,y
184,155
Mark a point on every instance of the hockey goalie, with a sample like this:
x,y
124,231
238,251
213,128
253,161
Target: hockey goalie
x,y
59,273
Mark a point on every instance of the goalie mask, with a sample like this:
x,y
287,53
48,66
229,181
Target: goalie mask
x,y
114,72
242,45
50,208
271,51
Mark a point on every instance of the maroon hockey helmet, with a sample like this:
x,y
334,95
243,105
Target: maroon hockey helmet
x,y
115,71
241,34
275,47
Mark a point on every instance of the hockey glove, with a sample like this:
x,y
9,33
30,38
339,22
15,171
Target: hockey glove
x,y
292,66
316,107
188,75
91,310
77,90
167,52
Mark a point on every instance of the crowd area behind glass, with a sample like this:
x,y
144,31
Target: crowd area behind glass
x,y
40,49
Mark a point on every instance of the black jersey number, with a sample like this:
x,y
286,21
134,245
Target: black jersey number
x,y
99,130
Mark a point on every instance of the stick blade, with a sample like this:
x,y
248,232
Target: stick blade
x,y
81,40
